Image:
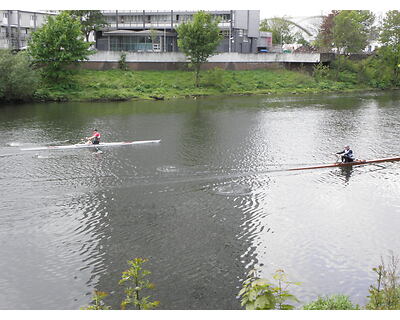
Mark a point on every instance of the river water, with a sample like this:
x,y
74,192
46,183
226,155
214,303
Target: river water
x,y
206,205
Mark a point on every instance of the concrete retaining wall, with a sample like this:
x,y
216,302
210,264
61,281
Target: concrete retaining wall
x,y
105,60
114,56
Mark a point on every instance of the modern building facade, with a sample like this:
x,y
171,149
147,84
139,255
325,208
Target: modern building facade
x,y
155,31
16,27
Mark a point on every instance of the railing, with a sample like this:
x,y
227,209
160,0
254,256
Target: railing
x,y
157,24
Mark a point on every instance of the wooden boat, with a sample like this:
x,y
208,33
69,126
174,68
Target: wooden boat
x,y
347,164
83,145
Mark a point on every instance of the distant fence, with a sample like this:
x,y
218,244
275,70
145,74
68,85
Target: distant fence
x,y
104,60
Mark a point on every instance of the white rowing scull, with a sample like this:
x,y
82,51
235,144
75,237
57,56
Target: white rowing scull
x,y
82,145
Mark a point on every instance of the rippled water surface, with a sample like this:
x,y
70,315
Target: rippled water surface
x,y
208,203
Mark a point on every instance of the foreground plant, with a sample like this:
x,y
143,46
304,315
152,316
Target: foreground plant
x,y
386,294
135,280
333,302
260,294
97,302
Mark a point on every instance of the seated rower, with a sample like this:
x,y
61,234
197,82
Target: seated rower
x,y
347,154
95,138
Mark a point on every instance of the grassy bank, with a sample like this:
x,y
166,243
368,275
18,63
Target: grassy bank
x,y
88,85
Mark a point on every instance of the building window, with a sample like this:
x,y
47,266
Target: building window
x,y
111,19
130,43
156,47
5,15
223,17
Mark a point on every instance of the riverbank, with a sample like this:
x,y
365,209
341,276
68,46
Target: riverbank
x,y
110,85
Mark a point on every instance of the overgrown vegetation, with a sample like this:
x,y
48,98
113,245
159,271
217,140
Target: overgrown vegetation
x,y
88,85
371,72
18,81
135,281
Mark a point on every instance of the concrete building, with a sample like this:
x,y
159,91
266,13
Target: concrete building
x,y
155,31
17,25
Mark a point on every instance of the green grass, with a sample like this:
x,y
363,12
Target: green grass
x,y
89,85
334,302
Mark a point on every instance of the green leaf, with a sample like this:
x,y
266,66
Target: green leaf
x,y
242,291
265,302
287,307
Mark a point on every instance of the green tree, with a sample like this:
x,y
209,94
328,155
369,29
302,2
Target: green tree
x,y
56,45
199,39
135,280
18,81
91,20
324,39
390,39
352,30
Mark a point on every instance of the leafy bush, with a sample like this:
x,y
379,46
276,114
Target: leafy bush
x,y
334,302
18,81
320,72
260,294
122,62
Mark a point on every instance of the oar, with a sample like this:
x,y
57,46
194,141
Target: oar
x,y
337,157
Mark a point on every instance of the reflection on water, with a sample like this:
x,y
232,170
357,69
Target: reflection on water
x,y
208,203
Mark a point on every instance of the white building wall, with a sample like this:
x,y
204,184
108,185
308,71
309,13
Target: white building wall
x,y
254,20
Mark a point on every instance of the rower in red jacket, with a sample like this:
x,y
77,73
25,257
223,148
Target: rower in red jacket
x,y
95,138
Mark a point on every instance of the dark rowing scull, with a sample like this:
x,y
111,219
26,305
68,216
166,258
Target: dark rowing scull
x,y
347,164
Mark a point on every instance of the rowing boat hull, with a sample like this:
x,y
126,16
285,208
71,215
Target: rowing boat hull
x,y
347,164
80,145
